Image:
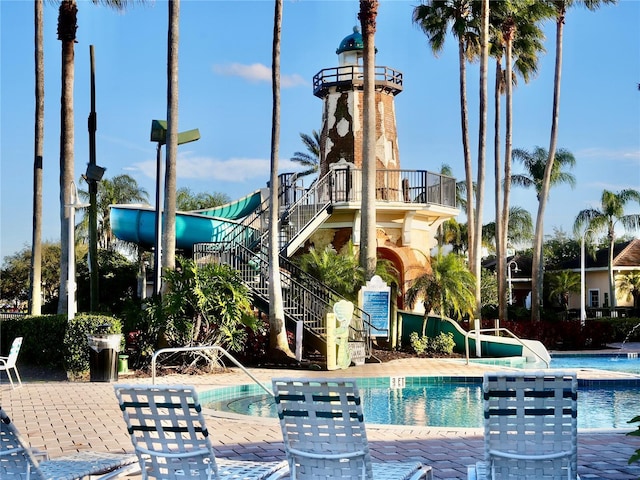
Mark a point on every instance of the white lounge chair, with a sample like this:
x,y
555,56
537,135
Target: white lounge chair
x,y
9,362
18,461
325,435
530,426
172,441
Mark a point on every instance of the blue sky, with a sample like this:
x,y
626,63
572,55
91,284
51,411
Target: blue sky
x,y
225,58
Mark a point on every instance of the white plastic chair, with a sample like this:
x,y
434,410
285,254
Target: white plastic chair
x,y
172,441
18,461
9,362
325,435
530,426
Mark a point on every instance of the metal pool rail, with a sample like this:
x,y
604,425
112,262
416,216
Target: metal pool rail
x,y
209,347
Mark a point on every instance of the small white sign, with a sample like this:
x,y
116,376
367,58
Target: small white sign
x,y
397,382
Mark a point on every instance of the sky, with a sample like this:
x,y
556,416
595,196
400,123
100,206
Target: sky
x,y
225,92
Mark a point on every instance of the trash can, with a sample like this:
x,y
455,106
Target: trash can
x,y
103,357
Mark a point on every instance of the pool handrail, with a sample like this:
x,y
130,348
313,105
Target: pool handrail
x,y
478,331
205,347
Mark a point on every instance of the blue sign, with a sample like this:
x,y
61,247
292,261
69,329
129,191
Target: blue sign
x,y
376,304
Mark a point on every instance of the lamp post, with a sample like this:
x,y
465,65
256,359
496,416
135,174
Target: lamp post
x,y
583,309
71,272
159,135
515,270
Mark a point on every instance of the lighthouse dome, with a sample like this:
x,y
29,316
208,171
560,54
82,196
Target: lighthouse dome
x,y
351,42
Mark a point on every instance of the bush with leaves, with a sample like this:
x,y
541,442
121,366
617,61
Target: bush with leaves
x,y
204,305
441,345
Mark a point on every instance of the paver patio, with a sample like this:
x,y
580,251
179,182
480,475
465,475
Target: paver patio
x,y
64,417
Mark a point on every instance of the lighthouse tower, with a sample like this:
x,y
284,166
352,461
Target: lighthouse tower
x,y
341,91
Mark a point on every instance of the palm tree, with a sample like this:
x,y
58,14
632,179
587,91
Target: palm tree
x,y
560,7
447,290
434,17
35,284
604,220
629,285
367,15
562,284
170,175
535,165
121,189
67,27
520,228
516,37
310,159
278,343
482,138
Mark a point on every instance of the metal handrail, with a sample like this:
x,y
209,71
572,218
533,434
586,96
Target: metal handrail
x,y
513,335
205,347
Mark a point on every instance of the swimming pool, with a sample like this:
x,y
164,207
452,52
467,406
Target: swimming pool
x,y
442,401
617,362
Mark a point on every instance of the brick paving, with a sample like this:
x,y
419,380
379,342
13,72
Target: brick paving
x,y
64,417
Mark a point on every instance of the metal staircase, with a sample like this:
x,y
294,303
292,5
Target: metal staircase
x,y
306,299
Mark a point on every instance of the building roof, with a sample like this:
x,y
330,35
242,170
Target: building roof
x,y
625,254
351,42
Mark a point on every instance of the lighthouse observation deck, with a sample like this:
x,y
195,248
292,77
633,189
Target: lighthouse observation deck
x,y
351,77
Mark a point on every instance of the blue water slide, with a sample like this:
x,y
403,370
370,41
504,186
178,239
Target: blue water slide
x,y
137,223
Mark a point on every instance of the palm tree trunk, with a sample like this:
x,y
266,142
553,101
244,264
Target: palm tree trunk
x,y
468,171
482,137
278,343
169,221
35,284
500,255
67,26
538,262
368,243
612,287
504,221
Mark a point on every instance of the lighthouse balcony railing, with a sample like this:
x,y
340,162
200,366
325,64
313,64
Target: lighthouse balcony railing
x,y
406,186
353,75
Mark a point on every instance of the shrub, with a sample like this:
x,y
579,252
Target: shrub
x,y
636,456
442,344
76,359
418,343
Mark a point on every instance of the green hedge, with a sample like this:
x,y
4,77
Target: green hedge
x,y
50,340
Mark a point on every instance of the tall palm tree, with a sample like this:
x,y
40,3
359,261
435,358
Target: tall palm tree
x,y
434,18
535,163
482,138
67,27
310,159
520,228
278,343
605,219
170,175
368,245
121,189
517,38
560,7
35,284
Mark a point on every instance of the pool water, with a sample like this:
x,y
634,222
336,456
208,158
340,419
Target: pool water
x,y
446,402
618,362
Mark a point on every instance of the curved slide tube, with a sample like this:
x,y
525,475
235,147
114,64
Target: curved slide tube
x,y
137,223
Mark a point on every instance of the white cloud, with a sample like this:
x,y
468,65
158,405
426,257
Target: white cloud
x,y
256,73
630,155
234,170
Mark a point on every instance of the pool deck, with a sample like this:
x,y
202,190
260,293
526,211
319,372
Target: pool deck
x,y
64,417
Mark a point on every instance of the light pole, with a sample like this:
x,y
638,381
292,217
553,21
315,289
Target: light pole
x,y
515,270
71,272
159,135
583,309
